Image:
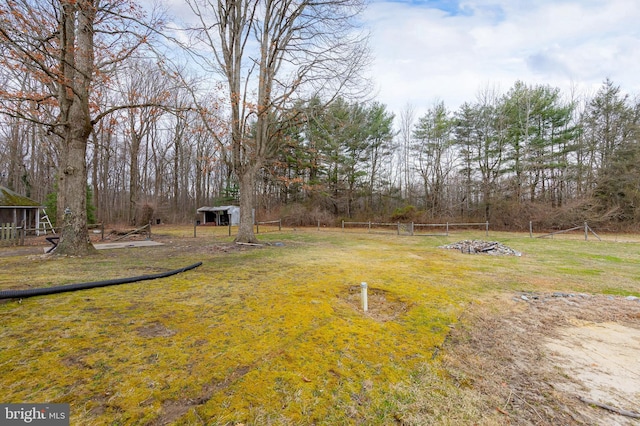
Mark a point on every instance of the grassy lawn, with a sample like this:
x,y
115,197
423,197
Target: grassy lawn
x,y
274,334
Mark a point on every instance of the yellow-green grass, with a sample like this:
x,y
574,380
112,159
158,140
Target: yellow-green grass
x,y
267,335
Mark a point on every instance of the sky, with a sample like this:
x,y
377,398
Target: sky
x,y
425,51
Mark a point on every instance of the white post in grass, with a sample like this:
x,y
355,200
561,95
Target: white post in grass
x,y
363,288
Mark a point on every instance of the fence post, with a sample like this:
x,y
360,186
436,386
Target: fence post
x,y
447,230
487,230
318,225
369,226
229,226
195,224
257,227
280,225
586,231
412,229
5,232
343,226
530,229
398,228
8,232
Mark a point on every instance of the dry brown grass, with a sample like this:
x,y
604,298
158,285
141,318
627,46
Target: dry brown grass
x,y
501,354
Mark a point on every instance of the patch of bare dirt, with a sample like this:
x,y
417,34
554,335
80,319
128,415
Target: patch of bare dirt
x,y
545,359
36,246
154,329
382,305
204,246
19,251
604,358
174,409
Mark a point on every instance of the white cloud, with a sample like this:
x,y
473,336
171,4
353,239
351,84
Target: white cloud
x,y
423,53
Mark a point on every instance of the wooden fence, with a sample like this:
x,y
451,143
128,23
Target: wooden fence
x,y
10,234
586,228
417,229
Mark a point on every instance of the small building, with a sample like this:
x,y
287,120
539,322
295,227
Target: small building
x,y
220,216
19,210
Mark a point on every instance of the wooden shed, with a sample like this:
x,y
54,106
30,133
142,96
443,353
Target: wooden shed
x,y
220,216
18,210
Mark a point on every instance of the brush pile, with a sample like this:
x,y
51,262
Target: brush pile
x,y
482,247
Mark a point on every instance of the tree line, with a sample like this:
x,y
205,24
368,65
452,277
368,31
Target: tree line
x,y
530,154
267,116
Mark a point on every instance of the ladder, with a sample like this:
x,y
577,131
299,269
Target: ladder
x,y
44,223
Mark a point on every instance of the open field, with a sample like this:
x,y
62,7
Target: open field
x,y
275,334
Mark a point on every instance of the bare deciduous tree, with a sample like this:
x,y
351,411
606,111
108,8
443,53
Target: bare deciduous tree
x,y
268,52
407,118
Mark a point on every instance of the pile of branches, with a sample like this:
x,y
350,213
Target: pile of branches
x,y
482,247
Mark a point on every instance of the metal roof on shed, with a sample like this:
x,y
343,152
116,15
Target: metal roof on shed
x,y
216,209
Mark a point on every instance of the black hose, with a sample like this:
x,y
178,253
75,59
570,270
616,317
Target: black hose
x,y
15,294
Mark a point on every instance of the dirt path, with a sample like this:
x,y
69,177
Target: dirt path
x,y
604,358
545,359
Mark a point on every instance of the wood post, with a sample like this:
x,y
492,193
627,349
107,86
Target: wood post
x,y
586,231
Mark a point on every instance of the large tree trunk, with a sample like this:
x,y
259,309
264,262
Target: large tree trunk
x,y
72,197
247,188
76,35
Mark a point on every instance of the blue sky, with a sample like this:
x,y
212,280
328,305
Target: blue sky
x,y
431,50
450,7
